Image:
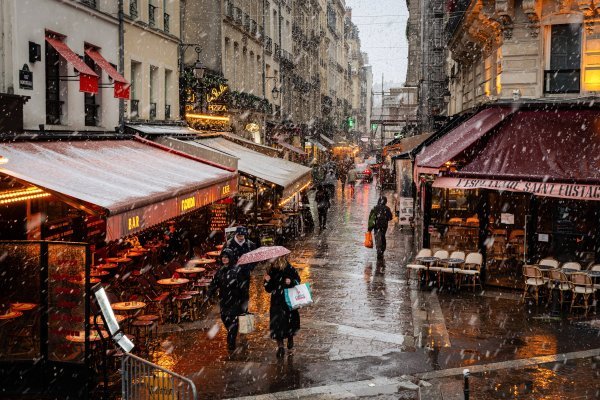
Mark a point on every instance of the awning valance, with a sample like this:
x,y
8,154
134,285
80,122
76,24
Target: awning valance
x,y
121,85
134,185
289,175
88,79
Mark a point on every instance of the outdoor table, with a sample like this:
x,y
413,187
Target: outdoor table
x,y
219,247
201,261
427,261
106,266
173,282
118,260
128,306
93,337
214,253
190,270
135,254
10,315
99,321
452,262
98,273
22,306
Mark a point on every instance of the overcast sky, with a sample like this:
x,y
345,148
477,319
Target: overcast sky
x,y
382,25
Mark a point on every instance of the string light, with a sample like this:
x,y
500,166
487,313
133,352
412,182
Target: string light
x,y
283,202
20,192
209,117
24,198
3,160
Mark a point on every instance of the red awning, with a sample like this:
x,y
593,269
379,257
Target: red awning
x,y
88,79
542,145
462,137
121,85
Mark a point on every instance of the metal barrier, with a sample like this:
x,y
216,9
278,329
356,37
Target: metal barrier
x,y
143,380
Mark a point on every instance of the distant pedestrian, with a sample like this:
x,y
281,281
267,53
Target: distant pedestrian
x,y
343,174
240,245
330,181
229,280
284,323
323,204
352,176
379,217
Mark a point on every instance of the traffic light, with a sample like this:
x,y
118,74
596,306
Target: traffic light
x,y
373,127
350,122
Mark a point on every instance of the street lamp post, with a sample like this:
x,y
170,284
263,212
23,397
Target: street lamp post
x,y
198,72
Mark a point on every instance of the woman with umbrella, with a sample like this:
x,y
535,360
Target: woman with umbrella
x,y
284,323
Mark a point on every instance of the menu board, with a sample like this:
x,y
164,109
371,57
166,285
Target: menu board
x,y
66,302
219,216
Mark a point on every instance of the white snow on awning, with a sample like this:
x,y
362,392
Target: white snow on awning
x,y
326,139
164,129
319,145
117,175
289,175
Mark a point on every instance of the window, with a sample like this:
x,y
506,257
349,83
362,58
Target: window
x,y
91,103
133,8
89,3
136,77
153,91
151,15
53,87
166,23
565,59
168,91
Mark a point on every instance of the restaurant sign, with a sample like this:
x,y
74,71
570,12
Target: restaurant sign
x,y
133,221
562,190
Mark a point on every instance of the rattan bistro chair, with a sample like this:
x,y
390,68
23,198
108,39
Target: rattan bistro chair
x,y
448,269
584,288
440,255
551,262
572,265
472,269
557,280
415,266
533,279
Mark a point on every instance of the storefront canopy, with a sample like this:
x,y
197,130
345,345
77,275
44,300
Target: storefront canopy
x,y
289,175
291,147
88,79
318,144
135,185
544,152
460,138
404,145
121,86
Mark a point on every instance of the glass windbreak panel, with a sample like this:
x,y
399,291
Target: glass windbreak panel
x,y
20,301
454,219
66,302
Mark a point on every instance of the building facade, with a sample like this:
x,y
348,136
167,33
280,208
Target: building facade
x,y
67,69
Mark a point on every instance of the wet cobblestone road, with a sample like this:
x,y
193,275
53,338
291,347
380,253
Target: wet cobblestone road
x,y
368,329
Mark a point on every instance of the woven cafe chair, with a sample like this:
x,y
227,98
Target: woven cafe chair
x,y
415,266
557,280
582,288
535,280
472,269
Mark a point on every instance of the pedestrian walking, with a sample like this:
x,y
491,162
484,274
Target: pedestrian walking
x,y
343,174
229,281
240,245
330,181
284,323
379,217
323,204
308,223
352,177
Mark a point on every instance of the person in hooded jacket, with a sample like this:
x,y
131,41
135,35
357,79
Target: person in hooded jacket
x,y
240,245
229,280
379,217
284,323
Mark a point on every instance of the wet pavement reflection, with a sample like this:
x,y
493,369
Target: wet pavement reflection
x,y
368,323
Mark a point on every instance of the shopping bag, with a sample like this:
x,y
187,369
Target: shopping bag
x,y
369,240
246,323
298,296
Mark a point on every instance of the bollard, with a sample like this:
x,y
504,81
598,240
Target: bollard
x,y
466,383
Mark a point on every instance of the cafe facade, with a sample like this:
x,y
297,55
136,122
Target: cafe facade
x,y
517,184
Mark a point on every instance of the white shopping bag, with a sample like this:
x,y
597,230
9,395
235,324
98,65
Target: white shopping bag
x,y
246,323
298,296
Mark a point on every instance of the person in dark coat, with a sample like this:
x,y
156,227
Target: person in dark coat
x,y
229,280
323,203
284,323
240,245
379,218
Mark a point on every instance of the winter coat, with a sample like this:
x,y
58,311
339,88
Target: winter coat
x,y
229,280
352,176
322,199
246,269
380,216
283,322
239,250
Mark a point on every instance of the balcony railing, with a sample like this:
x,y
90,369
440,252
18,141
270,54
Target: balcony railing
x,y
269,45
277,53
133,9
247,22
152,110
166,22
151,15
53,111
167,111
135,108
238,15
562,81
253,27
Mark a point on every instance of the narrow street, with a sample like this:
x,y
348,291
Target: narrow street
x,y
371,335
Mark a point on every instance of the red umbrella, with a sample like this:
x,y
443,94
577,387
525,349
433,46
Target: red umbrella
x,y
262,254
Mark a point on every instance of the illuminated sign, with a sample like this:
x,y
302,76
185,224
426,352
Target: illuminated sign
x,y
253,128
215,93
217,107
188,203
225,190
133,222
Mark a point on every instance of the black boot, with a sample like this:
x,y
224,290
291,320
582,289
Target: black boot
x,y
290,344
280,352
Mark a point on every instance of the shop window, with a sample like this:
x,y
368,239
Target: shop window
x,y
565,59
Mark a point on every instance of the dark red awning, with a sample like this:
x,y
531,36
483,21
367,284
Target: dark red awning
x,y
460,138
88,79
554,145
121,84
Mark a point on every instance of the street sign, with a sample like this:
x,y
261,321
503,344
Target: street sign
x,y
25,78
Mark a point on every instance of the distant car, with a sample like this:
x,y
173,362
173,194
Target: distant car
x,y
364,173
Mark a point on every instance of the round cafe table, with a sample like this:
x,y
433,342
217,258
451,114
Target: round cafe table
x,y
99,321
118,260
99,273
427,261
215,253
219,247
201,261
10,315
128,306
452,263
22,306
80,338
173,282
190,270
106,266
